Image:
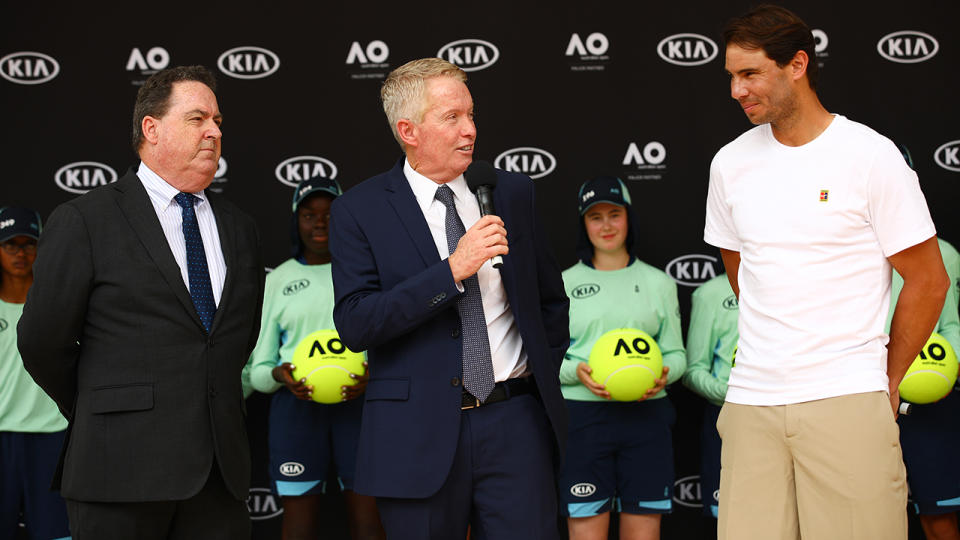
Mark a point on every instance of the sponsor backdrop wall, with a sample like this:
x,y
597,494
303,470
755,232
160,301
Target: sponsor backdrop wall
x,y
561,94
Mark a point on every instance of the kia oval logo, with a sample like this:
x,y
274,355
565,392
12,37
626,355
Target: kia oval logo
x,y
295,286
583,489
470,54
291,468
585,291
28,67
533,162
221,168
686,492
687,49
908,46
692,270
82,176
248,62
946,156
262,504
731,302
292,171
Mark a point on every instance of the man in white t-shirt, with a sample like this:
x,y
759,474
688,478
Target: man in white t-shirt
x,y
810,210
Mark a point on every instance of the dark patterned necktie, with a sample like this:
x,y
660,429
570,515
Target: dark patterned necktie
x,y
477,365
201,292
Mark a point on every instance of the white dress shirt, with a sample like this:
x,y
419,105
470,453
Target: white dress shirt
x,y
506,346
169,212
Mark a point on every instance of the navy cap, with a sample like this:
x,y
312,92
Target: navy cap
x,y
313,185
608,189
17,221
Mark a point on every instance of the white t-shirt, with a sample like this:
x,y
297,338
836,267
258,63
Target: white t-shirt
x,y
813,225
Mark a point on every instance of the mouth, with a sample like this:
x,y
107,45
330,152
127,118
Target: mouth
x,y
748,107
466,149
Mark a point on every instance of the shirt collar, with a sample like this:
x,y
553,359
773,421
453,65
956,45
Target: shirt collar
x,y
160,192
424,188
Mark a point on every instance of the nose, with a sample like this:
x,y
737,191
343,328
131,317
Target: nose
x,y
213,132
737,89
469,128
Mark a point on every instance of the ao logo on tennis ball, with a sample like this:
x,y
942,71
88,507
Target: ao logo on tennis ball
x,y
932,373
326,363
626,361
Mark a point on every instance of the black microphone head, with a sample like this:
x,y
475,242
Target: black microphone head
x,y
480,173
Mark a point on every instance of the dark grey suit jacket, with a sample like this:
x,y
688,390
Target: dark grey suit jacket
x,y
110,333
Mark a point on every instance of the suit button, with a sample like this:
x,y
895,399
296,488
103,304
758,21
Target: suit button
x,y
213,392
456,333
455,382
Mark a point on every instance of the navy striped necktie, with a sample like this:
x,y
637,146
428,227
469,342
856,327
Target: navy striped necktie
x,y
477,363
201,292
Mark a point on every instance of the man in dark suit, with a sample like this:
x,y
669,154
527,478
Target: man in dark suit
x,y
145,306
463,416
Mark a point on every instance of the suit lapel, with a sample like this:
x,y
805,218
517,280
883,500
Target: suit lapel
x,y
140,214
227,233
405,205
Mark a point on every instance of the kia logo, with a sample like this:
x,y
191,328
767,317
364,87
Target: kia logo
x,y
262,504
295,286
946,156
470,54
82,176
686,492
687,49
248,62
585,291
907,47
291,468
731,302
583,489
533,162
692,270
28,67
221,168
292,171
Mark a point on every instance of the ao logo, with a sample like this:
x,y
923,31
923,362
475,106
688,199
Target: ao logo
x,y
687,49
908,46
292,171
262,504
248,62
28,67
585,291
533,162
221,168
82,176
157,58
596,43
470,54
946,156
686,492
583,489
375,53
653,154
291,468
692,270
820,39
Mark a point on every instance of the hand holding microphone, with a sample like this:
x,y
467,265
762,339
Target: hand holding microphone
x,y
487,238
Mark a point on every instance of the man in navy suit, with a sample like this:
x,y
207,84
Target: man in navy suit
x,y
463,415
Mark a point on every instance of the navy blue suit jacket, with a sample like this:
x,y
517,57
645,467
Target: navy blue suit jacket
x,y
396,299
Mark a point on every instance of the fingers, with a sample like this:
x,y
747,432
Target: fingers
x,y
583,373
484,240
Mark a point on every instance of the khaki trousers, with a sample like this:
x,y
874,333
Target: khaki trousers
x,y
819,470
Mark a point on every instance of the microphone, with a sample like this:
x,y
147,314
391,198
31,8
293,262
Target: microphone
x,y
481,179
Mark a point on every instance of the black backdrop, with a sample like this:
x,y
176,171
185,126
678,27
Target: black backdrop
x,y
563,91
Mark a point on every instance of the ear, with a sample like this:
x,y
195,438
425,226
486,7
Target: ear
x,y
408,133
798,65
150,127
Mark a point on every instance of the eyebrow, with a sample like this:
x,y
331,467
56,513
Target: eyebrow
x,y
202,112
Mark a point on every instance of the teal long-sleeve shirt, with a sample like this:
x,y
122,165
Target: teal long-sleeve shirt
x,y
637,296
712,339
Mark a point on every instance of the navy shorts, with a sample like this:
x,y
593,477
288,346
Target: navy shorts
x,y
619,458
710,461
27,463
929,436
305,437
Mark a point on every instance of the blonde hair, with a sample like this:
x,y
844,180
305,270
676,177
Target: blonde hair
x,y
404,91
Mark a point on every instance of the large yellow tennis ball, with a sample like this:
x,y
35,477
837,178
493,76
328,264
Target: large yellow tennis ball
x,y
626,361
932,373
326,363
